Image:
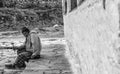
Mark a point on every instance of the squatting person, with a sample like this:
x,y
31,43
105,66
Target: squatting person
x,y
30,49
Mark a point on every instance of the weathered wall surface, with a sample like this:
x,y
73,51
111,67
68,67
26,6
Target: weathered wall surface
x,y
92,37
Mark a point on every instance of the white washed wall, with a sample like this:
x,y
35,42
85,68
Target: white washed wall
x,y
92,38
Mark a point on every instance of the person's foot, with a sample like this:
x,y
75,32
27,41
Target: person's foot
x,y
36,57
20,66
13,66
9,66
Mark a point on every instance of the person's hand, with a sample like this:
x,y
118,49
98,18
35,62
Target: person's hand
x,y
33,56
14,48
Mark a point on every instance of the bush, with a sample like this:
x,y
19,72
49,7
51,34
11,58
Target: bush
x,y
26,13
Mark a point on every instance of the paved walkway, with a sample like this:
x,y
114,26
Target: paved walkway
x,y
52,61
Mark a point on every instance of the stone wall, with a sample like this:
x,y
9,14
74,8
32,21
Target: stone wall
x,y
91,31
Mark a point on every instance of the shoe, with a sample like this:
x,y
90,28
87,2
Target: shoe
x,y
21,66
13,66
9,66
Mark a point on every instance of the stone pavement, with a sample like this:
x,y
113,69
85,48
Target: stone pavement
x,y
52,61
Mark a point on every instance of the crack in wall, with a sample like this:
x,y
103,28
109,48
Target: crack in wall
x,y
104,2
119,14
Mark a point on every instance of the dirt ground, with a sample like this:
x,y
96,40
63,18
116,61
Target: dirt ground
x,y
52,61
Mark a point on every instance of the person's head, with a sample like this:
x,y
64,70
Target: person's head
x,y
25,31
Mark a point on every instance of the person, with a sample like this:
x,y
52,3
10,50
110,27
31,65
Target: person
x,y
30,49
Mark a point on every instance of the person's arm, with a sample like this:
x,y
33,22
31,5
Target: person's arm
x,y
3,47
19,47
13,47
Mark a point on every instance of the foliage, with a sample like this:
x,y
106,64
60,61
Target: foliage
x,y
32,13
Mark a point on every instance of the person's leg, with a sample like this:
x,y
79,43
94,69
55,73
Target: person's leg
x,y
22,57
20,60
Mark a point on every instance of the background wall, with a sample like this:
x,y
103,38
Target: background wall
x,y
91,32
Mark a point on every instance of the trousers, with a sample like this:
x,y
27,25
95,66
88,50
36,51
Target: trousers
x,y
22,57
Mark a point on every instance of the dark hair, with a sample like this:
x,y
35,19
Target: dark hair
x,y
25,29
